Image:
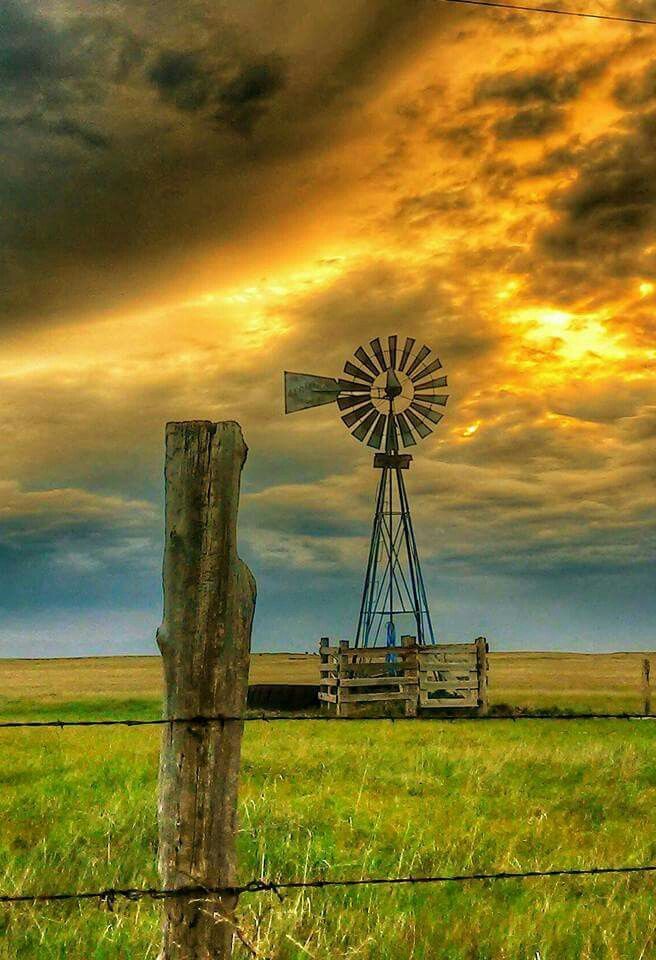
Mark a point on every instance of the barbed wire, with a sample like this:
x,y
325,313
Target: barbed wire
x,y
110,894
204,720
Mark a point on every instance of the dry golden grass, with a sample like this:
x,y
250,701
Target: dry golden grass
x,y
593,681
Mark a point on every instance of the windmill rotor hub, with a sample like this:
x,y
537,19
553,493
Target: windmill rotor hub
x,y
400,391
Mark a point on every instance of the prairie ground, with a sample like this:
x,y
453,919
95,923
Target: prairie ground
x,y
567,681
78,806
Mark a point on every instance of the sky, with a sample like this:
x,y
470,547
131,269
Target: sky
x,y
199,195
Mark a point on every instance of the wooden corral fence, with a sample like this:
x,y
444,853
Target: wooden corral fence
x,y
437,677
355,677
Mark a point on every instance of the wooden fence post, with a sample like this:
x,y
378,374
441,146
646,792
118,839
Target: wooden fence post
x,y
324,642
209,599
482,650
342,708
646,685
410,670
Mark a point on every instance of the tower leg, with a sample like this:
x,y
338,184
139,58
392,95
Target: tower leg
x,y
368,592
425,633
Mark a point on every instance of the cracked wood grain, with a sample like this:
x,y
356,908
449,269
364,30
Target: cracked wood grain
x,y
204,639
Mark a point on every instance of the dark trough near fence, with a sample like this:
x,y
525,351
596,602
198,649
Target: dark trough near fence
x,y
283,696
209,597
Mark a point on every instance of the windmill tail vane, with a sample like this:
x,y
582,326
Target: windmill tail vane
x,y
389,397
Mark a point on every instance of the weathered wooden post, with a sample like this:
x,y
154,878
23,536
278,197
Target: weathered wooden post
x,y
482,650
410,672
324,688
209,599
646,685
343,708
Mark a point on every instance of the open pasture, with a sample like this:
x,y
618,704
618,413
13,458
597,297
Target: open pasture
x,y
77,811
564,681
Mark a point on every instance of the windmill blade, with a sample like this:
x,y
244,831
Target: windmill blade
x,y
407,435
427,412
378,350
421,356
356,372
422,428
364,358
351,400
431,368
409,344
363,429
347,386
304,390
350,419
376,437
440,398
392,350
438,382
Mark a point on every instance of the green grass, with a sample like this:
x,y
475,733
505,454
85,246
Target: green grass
x,y
99,708
77,811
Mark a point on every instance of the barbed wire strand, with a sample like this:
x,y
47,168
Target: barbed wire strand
x,y
111,894
202,720
616,18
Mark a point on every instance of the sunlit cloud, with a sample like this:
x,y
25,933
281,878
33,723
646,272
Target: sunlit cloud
x,y
482,182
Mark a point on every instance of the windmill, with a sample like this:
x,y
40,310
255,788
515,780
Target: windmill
x,y
391,396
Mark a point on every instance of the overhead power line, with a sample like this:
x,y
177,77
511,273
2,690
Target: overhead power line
x,y
560,13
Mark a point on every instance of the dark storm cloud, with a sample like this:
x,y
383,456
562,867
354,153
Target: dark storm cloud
x,y
78,131
420,210
554,161
521,88
58,545
530,123
243,100
235,98
635,90
195,125
610,209
28,47
180,77
547,86
467,138
62,127
62,61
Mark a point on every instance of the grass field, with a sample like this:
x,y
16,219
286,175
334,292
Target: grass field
x,y
566,681
77,811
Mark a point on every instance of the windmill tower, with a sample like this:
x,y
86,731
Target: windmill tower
x,y
391,399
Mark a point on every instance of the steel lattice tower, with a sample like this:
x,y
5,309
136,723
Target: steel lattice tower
x,y
394,587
